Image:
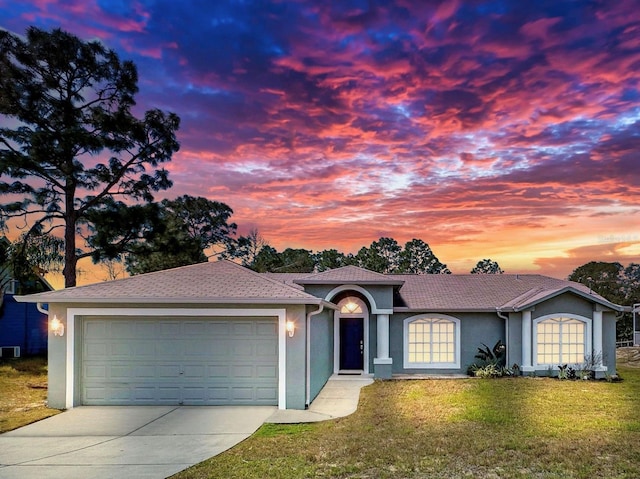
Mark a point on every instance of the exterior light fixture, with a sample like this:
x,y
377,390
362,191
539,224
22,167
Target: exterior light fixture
x,y
291,327
57,327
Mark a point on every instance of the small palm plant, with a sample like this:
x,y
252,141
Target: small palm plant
x,y
495,355
492,362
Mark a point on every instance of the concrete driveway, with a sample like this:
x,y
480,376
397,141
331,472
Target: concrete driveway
x,y
136,442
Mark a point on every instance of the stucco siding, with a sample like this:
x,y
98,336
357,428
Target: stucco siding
x,y
321,351
56,366
296,369
382,295
514,341
373,340
565,303
475,329
609,341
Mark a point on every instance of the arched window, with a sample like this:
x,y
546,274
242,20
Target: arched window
x,y
431,341
561,340
351,305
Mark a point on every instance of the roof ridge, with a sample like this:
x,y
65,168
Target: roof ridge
x,y
264,277
530,293
348,266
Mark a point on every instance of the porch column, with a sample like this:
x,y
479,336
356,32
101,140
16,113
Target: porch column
x,y
527,331
382,362
597,341
383,336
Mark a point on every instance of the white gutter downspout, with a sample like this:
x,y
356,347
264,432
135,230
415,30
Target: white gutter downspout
x,y
40,308
636,309
506,335
308,355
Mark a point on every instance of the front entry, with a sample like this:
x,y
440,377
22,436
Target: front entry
x,y
352,344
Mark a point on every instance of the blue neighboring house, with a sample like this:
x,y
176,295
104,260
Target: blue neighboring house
x,y
23,328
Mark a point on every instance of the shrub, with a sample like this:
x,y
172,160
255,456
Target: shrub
x,y
492,362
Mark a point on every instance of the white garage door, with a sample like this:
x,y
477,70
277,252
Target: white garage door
x,y
190,361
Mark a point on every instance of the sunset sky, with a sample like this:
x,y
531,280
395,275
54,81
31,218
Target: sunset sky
x,y
490,129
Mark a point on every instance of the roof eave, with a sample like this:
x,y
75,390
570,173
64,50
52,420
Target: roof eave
x,y
444,310
181,300
335,281
577,292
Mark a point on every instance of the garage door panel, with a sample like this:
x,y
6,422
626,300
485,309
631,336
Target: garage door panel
x,y
266,328
266,348
266,394
197,329
240,371
165,361
242,394
123,372
95,349
242,328
95,372
266,372
168,329
218,371
242,348
197,347
194,371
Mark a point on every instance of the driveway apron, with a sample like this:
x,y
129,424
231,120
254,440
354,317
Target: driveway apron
x,y
125,441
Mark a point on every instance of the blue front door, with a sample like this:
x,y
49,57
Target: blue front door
x,y
352,343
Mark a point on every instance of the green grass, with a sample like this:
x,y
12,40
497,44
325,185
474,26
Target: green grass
x,y
23,392
502,428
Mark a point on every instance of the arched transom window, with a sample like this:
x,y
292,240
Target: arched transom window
x,y
351,305
560,340
432,341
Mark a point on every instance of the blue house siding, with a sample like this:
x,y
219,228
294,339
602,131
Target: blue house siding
x,y
475,329
321,351
21,324
609,342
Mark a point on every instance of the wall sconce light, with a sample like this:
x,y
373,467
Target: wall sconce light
x,y
291,327
57,327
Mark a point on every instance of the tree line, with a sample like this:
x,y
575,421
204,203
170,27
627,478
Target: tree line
x,y
616,283
382,256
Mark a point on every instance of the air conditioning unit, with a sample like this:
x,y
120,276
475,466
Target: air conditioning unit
x,y
12,287
10,352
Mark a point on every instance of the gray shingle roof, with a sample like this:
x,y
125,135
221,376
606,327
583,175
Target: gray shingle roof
x,y
227,282
287,278
214,282
482,292
349,274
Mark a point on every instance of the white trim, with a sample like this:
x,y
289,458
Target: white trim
x,y
70,365
361,290
337,316
382,361
382,336
204,312
405,341
526,365
587,333
597,340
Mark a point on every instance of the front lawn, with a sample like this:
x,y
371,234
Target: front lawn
x,y
23,392
501,428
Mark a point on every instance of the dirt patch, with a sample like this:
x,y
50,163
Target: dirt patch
x,y
628,356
